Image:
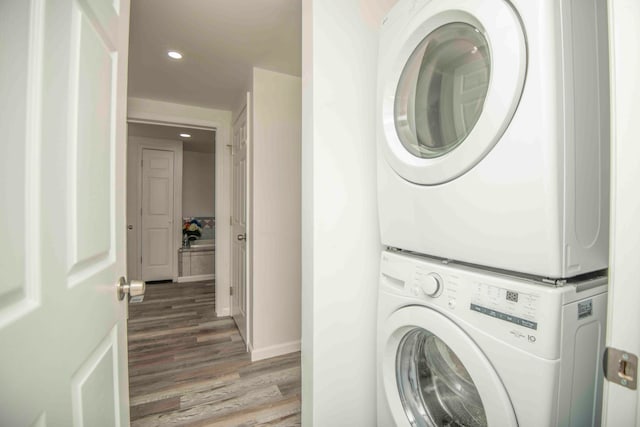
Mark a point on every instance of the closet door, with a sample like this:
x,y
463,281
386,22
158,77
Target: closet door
x,y
63,74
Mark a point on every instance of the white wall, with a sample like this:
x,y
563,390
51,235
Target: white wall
x,y
198,177
148,110
340,237
275,216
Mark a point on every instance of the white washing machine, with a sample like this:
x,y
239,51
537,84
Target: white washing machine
x,y
493,134
459,346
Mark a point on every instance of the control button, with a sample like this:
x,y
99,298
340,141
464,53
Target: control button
x,y
431,285
451,303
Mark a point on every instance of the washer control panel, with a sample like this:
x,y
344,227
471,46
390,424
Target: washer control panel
x,y
505,304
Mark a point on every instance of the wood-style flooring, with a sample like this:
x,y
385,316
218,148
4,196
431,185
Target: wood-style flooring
x,y
188,367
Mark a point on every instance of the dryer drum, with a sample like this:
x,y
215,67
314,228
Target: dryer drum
x,y
434,386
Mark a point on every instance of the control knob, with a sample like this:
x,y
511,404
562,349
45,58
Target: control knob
x,y
431,285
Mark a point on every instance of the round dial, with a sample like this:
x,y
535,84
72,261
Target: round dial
x,y
431,285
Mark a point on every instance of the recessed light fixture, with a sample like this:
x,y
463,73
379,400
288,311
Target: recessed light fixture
x,y
185,135
174,54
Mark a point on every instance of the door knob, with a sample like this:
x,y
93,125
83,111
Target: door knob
x,y
132,288
241,237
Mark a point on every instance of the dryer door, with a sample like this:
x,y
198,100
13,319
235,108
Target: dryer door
x,y
452,89
435,375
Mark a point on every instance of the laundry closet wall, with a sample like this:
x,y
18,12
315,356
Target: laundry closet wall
x,y
340,237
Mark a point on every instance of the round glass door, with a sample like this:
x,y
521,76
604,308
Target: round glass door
x,y
435,387
450,80
442,89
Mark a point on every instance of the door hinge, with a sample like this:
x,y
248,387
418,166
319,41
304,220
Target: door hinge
x,y
230,290
230,220
620,367
140,259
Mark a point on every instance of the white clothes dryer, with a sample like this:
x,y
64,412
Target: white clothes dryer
x,y
460,346
493,134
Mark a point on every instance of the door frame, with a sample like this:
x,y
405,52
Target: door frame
x,y
149,111
176,148
621,406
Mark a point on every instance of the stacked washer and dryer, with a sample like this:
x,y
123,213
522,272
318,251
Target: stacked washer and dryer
x,y
493,177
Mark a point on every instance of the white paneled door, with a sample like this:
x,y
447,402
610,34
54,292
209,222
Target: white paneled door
x,y
157,214
239,265
63,341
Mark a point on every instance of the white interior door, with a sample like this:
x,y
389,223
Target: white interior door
x,y
63,341
621,404
157,215
239,225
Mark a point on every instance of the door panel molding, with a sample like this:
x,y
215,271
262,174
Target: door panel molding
x,y
21,288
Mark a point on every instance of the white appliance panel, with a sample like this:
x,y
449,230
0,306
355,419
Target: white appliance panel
x,y
544,342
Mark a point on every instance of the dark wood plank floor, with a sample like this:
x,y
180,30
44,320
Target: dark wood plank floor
x,y
188,367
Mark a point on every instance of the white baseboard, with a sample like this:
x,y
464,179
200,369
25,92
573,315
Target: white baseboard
x,y
223,312
185,279
274,350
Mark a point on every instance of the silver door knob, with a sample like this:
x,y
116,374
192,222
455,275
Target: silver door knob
x,y
241,237
132,288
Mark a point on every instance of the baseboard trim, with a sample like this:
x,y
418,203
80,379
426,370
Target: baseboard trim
x,y
185,279
223,313
274,350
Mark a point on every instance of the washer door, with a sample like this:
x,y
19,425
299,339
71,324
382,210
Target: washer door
x,y
435,375
453,88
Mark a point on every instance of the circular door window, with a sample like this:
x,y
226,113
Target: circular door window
x,y
434,386
450,80
442,90
434,374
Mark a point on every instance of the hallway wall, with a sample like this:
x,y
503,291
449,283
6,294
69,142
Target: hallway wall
x,y
198,178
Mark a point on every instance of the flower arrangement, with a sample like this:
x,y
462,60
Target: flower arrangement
x,y
192,229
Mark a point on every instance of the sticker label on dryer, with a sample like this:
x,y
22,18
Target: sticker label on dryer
x,y
504,316
585,309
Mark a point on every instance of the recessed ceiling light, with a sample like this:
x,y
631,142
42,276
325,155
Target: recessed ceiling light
x,y
174,54
185,135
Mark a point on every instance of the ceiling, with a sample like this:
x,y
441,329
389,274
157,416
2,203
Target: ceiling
x,y
201,141
221,41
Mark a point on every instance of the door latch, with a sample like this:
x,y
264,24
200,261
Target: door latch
x,y
621,367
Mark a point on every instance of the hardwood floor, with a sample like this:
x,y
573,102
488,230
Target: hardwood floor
x,y
188,367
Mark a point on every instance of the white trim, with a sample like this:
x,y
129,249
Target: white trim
x,y
224,313
159,112
274,350
149,122
248,178
199,278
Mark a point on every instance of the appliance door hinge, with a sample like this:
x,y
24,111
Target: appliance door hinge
x,y
621,367
230,290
